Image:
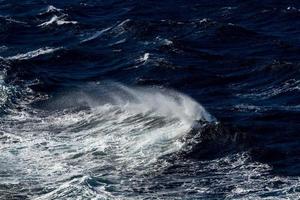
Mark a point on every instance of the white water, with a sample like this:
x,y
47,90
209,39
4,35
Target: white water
x,y
123,131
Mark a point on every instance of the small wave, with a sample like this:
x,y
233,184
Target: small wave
x,y
95,35
58,21
144,58
118,29
121,24
33,54
291,9
11,20
51,8
272,91
167,42
204,20
118,42
3,48
248,108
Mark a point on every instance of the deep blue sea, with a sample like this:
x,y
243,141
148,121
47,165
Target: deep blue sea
x,y
140,99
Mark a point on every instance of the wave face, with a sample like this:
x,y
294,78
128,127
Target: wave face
x,y
103,99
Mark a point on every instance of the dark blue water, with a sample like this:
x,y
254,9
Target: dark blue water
x,y
149,99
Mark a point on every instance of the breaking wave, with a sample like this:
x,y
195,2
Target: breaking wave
x,y
112,129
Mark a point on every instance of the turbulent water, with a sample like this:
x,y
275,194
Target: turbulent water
x,y
149,99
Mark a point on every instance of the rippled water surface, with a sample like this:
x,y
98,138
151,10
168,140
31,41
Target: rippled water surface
x,y
149,99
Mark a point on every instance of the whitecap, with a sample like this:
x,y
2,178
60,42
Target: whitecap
x,y
58,21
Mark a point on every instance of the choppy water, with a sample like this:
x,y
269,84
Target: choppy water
x,y
149,99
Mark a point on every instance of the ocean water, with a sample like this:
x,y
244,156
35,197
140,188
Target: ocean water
x,y
149,99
